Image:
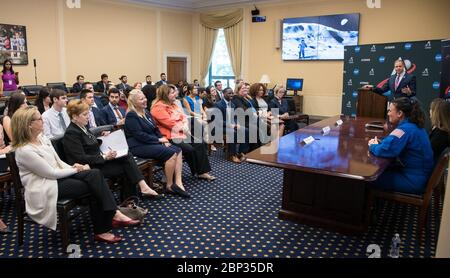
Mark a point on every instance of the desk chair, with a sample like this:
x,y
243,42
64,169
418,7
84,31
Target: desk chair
x,y
434,185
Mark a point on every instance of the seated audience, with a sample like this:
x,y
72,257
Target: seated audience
x,y
78,86
46,178
113,114
123,86
16,100
150,94
148,81
95,114
56,119
43,101
146,141
137,86
163,80
409,144
237,147
99,101
283,110
173,125
440,122
81,146
3,228
4,149
242,101
102,86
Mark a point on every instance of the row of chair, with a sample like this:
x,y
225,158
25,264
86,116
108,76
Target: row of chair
x,y
64,206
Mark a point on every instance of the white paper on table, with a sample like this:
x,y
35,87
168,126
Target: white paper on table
x,y
115,141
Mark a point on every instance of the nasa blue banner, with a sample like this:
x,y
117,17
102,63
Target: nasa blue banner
x,y
445,75
374,64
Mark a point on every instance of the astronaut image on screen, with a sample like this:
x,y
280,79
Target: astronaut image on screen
x,y
322,37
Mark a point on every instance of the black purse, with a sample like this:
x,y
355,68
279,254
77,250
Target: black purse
x,y
130,208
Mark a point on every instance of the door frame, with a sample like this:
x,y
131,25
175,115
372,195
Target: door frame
x,y
167,54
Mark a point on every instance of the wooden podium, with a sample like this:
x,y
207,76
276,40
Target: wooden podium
x,y
371,104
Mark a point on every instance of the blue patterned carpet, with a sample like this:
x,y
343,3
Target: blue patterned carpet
x,y
232,217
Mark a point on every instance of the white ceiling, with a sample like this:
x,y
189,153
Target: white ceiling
x,y
197,4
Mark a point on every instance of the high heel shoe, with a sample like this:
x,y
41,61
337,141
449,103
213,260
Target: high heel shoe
x,y
175,189
131,222
114,240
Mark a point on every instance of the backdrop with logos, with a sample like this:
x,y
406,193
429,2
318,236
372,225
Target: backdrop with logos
x,y
373,64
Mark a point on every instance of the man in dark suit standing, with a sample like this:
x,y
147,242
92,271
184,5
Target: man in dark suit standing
x,y
163,80
113,114
123,86
95,114
78,86
401,84
237,147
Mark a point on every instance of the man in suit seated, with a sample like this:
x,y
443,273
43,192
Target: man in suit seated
x,y
98,101
78,86
401,84
163,80
112,113
95,114
102,86
123,86
236,146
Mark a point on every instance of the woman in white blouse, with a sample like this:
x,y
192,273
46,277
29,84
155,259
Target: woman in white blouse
x,y
46,178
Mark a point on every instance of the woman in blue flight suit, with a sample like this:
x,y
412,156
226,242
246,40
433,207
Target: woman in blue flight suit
x,y
409,143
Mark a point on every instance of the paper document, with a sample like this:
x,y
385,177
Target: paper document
x,y
115,141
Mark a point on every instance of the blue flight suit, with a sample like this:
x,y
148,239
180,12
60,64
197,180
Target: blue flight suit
x,y
412,148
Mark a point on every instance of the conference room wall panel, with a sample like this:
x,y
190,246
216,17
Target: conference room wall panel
x,y
101,37
395,21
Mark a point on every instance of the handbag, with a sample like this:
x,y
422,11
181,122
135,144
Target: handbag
x,y
130,208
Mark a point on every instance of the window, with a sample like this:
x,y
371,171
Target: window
x,y
220,67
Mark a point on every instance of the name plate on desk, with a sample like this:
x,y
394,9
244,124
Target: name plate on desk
x,y
308,140
326,130
339,122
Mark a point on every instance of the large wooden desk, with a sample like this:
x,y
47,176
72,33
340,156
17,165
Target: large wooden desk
x,y
325,182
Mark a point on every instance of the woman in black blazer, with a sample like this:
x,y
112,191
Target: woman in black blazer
x,y
146,141
440,121
81,146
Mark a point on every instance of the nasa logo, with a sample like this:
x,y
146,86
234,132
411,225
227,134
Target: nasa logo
x,y
438,57
436,85
356,72
357,49
408,46
355,94
381,59
353,115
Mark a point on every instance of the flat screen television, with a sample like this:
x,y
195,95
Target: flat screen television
x,y
319,37
294,84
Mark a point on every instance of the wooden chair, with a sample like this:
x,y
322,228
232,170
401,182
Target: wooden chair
x,y
63,206
434,185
